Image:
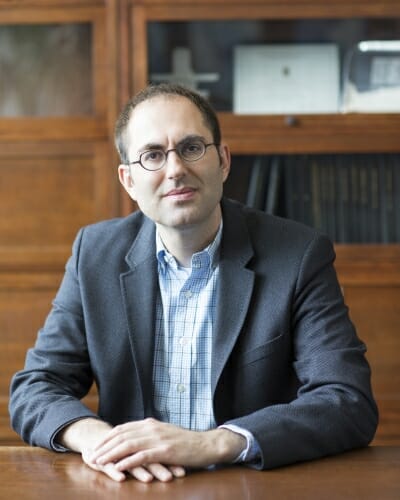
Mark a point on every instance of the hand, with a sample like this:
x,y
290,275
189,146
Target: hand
x,y
145,445
144,474
83,435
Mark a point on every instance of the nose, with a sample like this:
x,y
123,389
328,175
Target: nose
x,y
174,165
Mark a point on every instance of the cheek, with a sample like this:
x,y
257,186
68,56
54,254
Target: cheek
x,y
216,177
145,188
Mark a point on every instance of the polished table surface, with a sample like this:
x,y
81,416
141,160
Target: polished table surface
x,y
372,473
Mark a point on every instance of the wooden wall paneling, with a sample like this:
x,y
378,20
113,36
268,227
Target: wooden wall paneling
x,y
127,56
370,277
134,51
139,54
114,34
48,192
24,304
25,300
57,173
376,314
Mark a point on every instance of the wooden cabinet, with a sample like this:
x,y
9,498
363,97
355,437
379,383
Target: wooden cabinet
x,y
369,273
57,108
57,172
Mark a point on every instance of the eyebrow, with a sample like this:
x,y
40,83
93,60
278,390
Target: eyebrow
x,y
156,145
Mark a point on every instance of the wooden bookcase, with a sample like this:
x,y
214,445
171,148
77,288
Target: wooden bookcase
x,y
369,274
55,164
31,263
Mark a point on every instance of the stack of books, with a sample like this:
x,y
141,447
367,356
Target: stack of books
x,y
353,198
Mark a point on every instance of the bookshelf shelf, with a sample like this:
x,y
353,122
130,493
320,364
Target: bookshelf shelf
x,y
339,133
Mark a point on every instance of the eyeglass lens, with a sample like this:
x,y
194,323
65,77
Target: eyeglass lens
x,y
189,150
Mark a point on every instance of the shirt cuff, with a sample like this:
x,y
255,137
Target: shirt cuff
x,y
252,452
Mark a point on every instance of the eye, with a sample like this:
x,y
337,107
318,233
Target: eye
x,y
192,149
152,156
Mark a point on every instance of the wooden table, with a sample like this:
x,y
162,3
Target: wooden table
x,y
373,473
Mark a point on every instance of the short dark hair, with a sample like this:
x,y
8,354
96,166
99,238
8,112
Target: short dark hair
x,y
167,89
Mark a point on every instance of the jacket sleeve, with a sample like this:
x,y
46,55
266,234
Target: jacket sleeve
x,y
45,395
333,409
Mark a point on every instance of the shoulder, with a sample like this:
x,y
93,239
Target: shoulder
x,y
261,225
269,235
111,238
107,228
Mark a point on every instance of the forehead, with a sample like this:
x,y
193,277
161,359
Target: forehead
x,y
165,119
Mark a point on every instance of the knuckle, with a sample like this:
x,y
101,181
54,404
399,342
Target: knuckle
x,y
167,449
118,428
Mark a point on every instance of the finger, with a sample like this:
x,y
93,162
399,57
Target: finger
x,y
141,474
116,453
138,459
113,473
107,446
109,469
160,472
114,435
177,470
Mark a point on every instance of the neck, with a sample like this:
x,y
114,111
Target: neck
x,y
182,243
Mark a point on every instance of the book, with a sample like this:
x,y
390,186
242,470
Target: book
x,y
374,209
353,198
274,184
342,189
258,183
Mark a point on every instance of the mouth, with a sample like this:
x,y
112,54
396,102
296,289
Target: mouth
x,y
184,193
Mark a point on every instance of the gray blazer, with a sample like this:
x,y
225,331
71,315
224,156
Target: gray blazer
x,y
286,362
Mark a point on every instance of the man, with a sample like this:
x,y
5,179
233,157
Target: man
x,y
215,333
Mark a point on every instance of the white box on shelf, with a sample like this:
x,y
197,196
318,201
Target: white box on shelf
x,y
286,78
372,77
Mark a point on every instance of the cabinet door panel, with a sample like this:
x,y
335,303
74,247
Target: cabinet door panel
x,y
376,314
53,75
47,193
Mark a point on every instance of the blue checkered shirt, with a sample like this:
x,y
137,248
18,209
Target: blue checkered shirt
x,y
185,315
184,323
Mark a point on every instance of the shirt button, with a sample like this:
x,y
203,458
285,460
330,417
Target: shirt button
x,y
184,341
180,388
188,294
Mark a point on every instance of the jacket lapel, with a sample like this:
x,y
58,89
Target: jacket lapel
x,y
235,288
139,291
139,288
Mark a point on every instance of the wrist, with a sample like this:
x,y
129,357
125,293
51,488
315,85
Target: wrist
x,y
83,434
228,445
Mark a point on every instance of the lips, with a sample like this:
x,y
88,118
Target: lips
x,y
184,192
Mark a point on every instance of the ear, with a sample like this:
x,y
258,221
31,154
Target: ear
x,y
126,180
225,160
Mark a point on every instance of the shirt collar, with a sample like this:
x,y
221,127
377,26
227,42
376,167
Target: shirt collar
x,y
212,250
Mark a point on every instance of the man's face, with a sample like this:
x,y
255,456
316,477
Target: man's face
x,y
181,194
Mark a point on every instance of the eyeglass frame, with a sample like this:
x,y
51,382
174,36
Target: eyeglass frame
x,y
176,149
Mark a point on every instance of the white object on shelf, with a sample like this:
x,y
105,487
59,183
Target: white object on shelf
x,y
286,78
371,82
182,72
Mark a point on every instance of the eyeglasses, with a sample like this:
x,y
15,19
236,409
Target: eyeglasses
x,y
188,150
